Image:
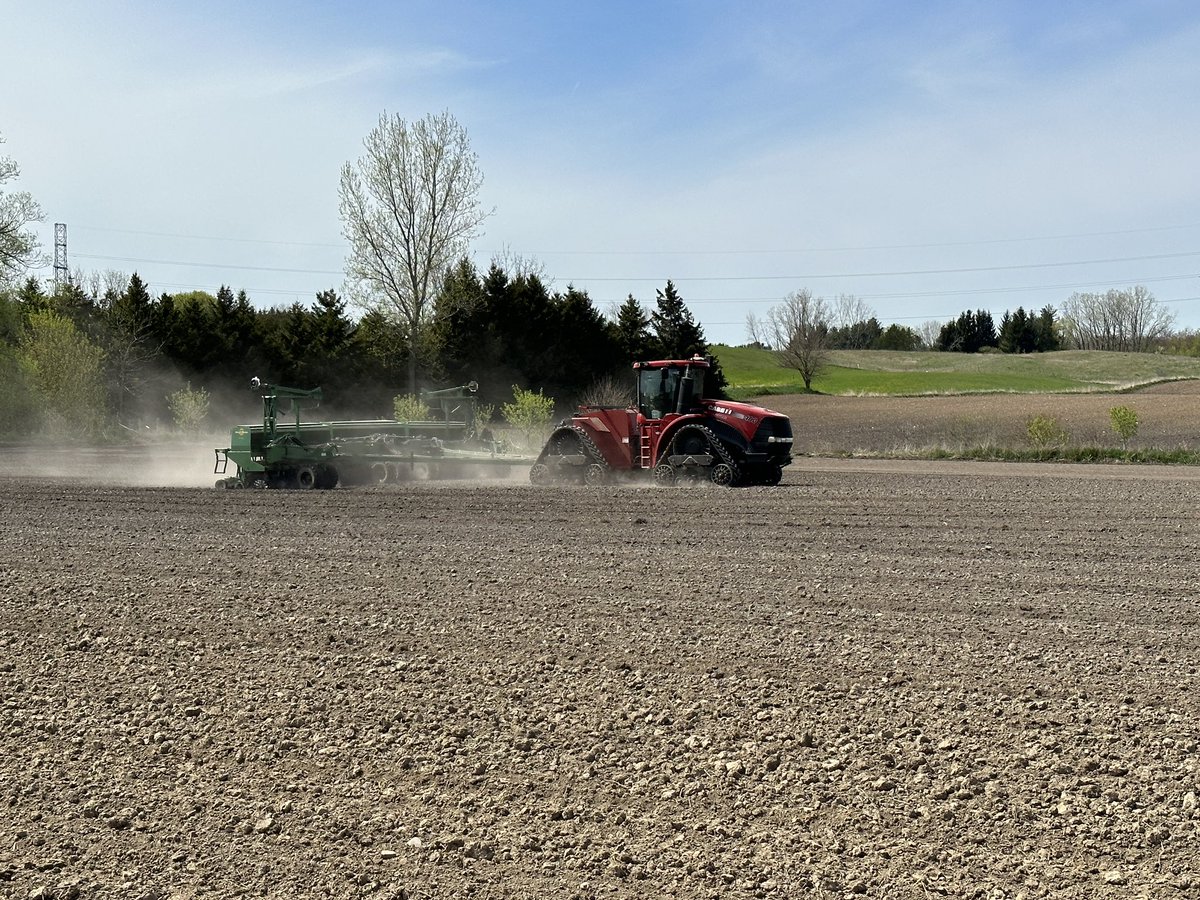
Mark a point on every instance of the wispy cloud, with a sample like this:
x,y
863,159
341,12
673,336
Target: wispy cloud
x,y
291,76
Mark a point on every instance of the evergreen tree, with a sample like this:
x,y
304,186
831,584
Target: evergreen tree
x,y
633,330
969,333
74,303
224,338
134,305
677,335
245,340
379,360
294,340
860,335
502,330
187,320
1046,337
329,338
131,346
1018,332
31,296
898,337
331,330
587,346
12,319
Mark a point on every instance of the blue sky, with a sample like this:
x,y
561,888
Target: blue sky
x,y
925,157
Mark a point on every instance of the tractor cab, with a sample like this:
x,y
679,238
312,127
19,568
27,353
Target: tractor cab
x,y
670,386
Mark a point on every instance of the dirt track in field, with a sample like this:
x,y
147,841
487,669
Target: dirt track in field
x,y
876,680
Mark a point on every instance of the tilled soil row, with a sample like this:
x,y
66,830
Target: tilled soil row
x,y
856,684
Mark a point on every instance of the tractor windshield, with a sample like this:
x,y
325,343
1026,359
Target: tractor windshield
x,y
659,389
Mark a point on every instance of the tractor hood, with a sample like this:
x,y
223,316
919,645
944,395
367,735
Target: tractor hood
x,y
745,417
760,430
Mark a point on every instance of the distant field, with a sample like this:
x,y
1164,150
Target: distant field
x,y
753,372
990,425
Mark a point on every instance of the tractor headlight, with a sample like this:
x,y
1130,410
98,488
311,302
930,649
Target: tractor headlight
x,y
778,440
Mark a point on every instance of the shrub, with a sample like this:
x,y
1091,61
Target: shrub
x,y
607,391
1044,431
189,408
529,413
410,408
1125,423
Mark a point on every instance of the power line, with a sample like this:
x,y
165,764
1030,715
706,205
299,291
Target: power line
x,y
706,278
953,293
201,237
678,252
930,316
909,272
201,265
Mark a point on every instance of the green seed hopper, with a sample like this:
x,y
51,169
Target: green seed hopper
x,y
294,454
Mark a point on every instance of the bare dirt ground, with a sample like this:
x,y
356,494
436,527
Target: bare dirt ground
x,y
934,680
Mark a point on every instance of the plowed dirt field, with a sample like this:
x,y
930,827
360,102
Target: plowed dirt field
x,y
1169,419
883,680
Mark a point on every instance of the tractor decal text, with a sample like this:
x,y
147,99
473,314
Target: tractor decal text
x,y
733,413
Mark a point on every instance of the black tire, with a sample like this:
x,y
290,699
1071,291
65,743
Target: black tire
x,y
306,478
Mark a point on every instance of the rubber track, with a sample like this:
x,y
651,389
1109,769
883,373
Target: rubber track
x,y
589,447
590,450
718,446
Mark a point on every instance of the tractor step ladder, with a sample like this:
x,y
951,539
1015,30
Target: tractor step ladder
x,y
644,447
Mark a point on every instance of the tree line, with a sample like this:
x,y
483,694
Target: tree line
x,y
803,329
107,360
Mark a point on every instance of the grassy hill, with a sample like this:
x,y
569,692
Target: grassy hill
x,y
753,372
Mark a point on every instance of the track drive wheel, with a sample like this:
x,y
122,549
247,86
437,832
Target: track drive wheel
x,y
722,475
539,474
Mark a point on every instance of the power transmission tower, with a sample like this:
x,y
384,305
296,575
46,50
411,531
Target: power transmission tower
x,y
61,276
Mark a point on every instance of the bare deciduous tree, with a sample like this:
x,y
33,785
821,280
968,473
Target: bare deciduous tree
x,y
929,331
409,208
797,331
18,245
1130,320
518,265
850,310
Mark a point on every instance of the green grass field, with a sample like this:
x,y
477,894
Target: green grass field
x,y
753,372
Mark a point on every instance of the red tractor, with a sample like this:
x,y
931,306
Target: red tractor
x,y
672,432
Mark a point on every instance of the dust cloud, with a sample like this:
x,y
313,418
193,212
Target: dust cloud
x,y
171,463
